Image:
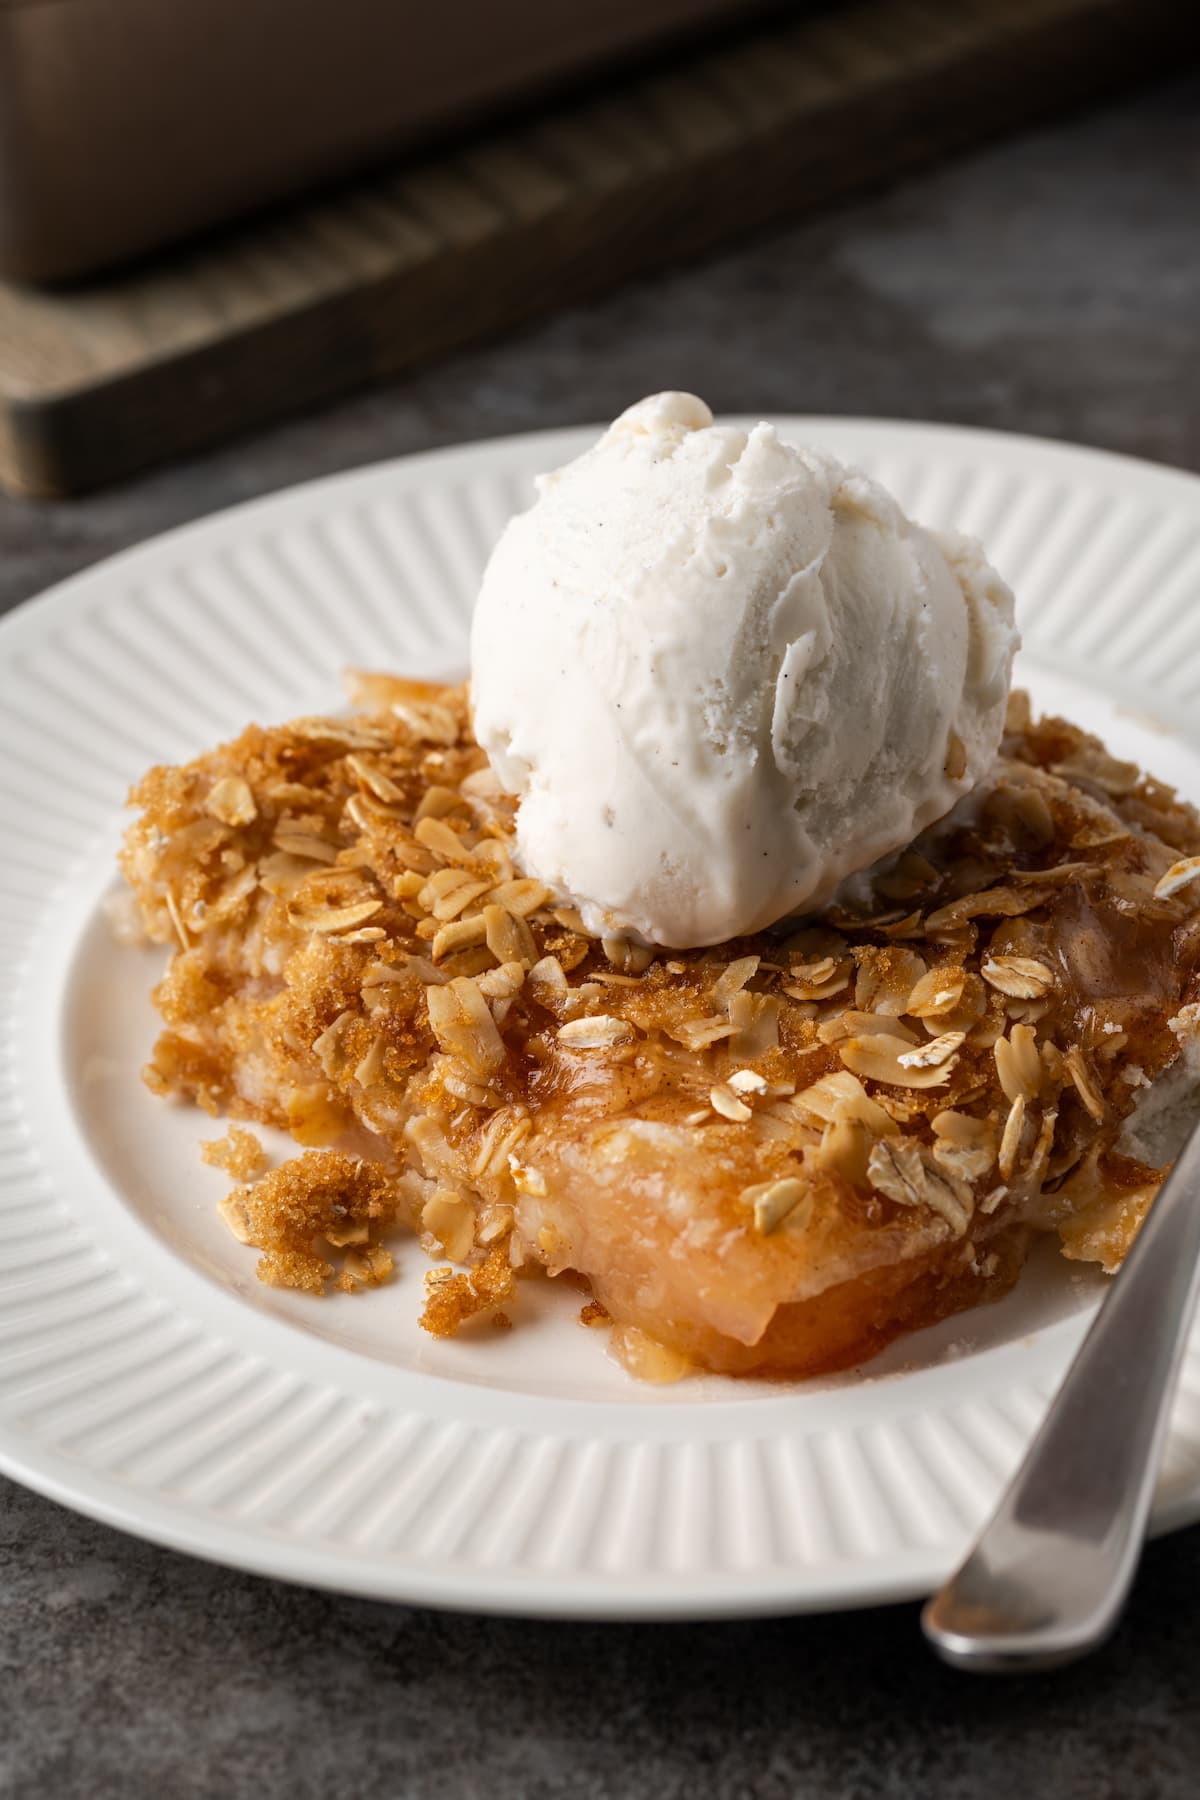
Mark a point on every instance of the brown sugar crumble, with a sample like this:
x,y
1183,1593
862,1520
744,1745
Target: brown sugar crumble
x,y
451,1298
321,1199
239,1153
768,1156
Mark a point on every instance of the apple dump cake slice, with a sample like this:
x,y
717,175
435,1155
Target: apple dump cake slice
x,y
770,1156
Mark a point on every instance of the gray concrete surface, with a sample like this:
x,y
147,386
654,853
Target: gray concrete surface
x,y
1049,285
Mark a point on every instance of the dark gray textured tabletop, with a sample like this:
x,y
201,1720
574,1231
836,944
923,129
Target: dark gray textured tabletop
x,y
1050,285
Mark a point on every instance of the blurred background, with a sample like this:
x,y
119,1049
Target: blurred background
x,y
219,213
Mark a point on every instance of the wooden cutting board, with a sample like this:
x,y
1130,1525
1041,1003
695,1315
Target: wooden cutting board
x,y
286,311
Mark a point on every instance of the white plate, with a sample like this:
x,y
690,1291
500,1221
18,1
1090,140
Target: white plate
x,y
147,1378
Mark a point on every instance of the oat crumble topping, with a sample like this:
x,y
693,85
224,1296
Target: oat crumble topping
x,y
772,1155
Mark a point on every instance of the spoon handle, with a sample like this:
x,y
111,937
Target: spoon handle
x,y
1049,1573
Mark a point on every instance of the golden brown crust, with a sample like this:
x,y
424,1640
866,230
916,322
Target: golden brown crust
x,y
871,1104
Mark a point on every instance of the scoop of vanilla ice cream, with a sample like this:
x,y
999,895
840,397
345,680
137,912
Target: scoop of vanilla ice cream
x,y
722,674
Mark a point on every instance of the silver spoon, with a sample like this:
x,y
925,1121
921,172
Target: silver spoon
x,y
1045,1581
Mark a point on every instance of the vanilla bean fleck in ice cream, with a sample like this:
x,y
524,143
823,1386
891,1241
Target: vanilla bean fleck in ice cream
x,y
723,673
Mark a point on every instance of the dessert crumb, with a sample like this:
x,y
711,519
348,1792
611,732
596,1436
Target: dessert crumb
x,y
239,1153
451,1298
322,1195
